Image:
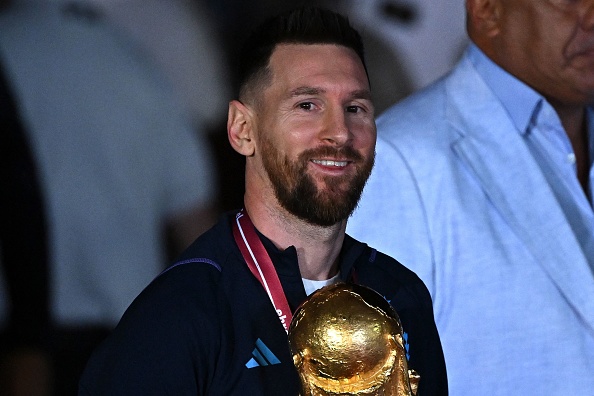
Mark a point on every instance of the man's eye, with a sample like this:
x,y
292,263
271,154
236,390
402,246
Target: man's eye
x,y
353,109
306,106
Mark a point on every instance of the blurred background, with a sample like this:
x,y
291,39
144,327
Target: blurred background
x,y
114,154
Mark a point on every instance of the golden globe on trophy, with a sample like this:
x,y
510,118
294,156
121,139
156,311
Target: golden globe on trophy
x,y
346,339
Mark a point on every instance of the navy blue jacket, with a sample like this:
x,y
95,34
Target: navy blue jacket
x,y
206,326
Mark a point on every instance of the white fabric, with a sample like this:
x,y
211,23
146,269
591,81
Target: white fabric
x,y
313,285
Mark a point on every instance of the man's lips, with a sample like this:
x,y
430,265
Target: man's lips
x,y
581,48
335,163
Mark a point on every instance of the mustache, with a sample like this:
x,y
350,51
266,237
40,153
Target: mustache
x,y
345,153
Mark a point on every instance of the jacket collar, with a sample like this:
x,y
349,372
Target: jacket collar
x,y
287,267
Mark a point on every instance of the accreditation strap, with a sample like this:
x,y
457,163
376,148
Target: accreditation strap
x,y
261,266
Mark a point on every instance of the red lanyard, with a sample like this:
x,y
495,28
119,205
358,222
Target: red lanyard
x,y
259,262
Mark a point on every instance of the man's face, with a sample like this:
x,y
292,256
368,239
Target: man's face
x,y
316,131
549,44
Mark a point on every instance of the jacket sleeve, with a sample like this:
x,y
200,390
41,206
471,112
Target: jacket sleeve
x,y
424,345
167,343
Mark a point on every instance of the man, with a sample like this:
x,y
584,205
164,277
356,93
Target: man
x,y
209,325
483,185
117,165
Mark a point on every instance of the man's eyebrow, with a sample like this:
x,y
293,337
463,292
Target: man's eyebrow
x,y
301,91
361,94
304,91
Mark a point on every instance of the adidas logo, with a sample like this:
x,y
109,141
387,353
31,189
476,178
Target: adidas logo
x,y
261,356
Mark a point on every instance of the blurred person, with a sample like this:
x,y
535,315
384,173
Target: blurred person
x,y
304,121
483,186
182,38
427,35
119,168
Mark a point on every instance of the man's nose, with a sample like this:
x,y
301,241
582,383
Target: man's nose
x,y
336,127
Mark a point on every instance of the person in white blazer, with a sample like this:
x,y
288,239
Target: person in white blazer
x,y
483,186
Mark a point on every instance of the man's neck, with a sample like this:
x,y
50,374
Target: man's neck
x,y
317,247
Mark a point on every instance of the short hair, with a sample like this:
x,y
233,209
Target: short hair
x,y
304,25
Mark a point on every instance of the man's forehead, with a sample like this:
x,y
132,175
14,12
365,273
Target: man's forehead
x,y
303,64
306,50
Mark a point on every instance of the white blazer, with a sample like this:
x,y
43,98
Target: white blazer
x,y
457,197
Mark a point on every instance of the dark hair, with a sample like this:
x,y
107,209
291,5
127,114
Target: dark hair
x,y
304,25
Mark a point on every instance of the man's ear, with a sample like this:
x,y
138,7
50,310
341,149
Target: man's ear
x,y
484,17
240,128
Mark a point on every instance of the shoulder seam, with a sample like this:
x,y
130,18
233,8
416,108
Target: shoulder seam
x,y
193,260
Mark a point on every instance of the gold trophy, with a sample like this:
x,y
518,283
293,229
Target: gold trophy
x,y
346,339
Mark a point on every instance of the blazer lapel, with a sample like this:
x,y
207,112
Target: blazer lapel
x,y
499,158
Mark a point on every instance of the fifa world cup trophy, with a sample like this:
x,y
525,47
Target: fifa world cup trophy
x,y
346,339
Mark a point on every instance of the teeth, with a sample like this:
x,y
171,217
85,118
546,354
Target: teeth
x,y
330,163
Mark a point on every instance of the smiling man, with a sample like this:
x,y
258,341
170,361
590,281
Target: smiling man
x,y
215,322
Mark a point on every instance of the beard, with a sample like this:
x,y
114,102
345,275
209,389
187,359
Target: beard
x,y
297,192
